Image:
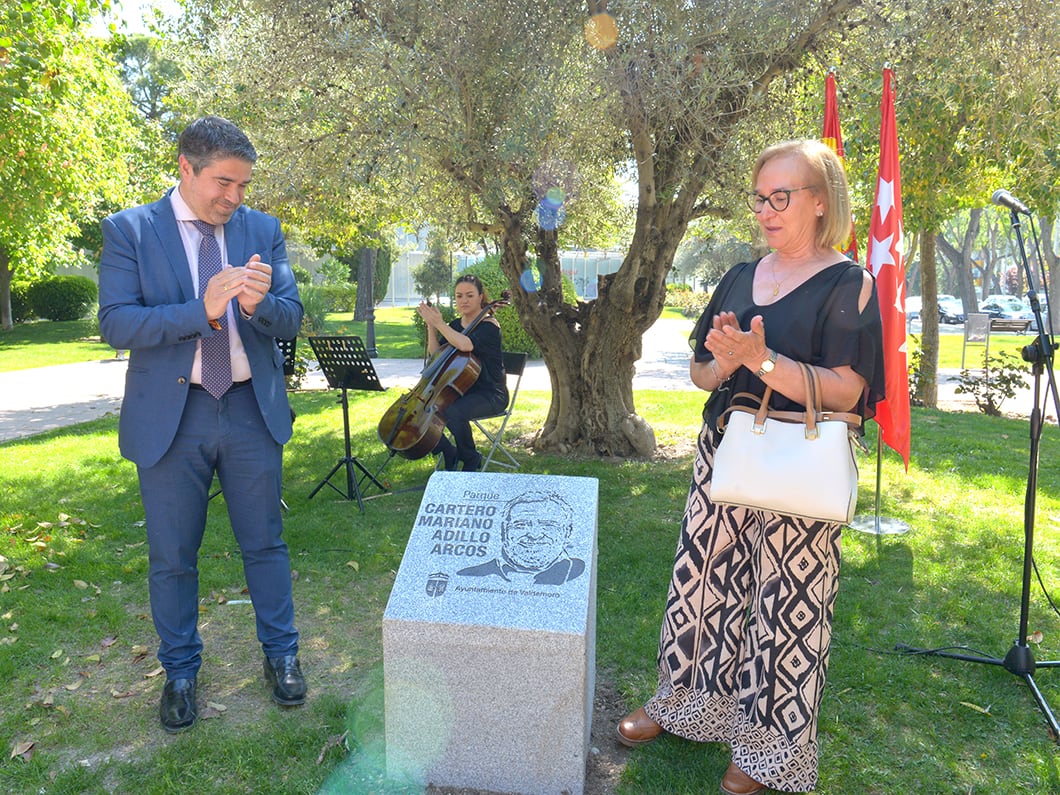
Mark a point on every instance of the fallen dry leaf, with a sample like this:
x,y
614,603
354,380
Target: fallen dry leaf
x,y
156,672
57,654
1036,638
126,694
80,584
353,564
139,649
108,641
13,627
216,706
74,685
23,749
95,658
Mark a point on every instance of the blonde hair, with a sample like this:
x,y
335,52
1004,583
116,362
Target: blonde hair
x,y
828,181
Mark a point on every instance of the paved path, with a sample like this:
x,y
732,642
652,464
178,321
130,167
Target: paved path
x,y
45,398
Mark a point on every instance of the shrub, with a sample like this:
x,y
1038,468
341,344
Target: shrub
x,y
314,310
63,297
689,302
21,311
916,366
337,297
302,276
1000,377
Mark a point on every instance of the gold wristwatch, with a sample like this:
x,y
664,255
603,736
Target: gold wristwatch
x,y
768,364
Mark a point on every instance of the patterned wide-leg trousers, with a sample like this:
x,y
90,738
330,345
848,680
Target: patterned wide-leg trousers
x,y
744,644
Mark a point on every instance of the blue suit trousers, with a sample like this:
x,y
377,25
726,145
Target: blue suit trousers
x,y
226,436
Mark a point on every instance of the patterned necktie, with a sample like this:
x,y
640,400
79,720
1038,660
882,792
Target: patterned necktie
x,y
216,358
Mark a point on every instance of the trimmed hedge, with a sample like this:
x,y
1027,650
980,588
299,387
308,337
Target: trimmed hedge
x,y
62,297
21,311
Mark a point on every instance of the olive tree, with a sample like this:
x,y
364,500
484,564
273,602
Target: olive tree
x,y
520,116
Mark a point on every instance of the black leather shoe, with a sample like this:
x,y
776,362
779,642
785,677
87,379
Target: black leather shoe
x,y
473,464
177,708
284,676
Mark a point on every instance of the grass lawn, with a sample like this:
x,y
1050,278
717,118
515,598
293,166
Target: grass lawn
x,y
81,683
47,342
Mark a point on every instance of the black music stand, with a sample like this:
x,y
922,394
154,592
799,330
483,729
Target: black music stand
x,y
346,365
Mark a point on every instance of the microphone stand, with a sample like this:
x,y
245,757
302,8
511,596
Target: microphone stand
x,y
1020,658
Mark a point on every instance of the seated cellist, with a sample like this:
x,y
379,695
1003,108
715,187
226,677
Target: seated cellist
x,y
489,394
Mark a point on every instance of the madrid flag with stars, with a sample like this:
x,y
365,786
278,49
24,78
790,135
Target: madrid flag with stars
x,y
886,260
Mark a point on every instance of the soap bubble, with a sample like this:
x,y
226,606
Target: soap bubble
x,y
601,31
550,215
529,281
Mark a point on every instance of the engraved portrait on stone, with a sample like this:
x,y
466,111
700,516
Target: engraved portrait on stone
x,y
536,529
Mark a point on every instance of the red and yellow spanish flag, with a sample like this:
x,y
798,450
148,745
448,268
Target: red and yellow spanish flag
x,y
886,260
832,136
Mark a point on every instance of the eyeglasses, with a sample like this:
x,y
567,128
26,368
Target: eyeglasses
x,y
778,199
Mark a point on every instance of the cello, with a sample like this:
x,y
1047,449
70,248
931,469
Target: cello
x,y
412,426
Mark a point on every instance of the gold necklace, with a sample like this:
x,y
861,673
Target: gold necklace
x,y
776,284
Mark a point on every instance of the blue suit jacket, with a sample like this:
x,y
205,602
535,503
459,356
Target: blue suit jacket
x,y
147,306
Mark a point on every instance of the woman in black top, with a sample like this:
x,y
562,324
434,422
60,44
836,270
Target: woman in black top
x,y
489,394
744,643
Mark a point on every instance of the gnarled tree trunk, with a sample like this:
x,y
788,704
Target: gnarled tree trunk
x,y
591,349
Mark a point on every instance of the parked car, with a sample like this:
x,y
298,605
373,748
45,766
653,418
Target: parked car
x,y
1027,314
1007,303
998,309
950,310
912,307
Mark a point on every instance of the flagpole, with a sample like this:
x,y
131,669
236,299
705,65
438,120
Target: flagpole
x,y
876,524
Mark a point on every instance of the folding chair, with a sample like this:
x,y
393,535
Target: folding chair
x,y
514,364
287,348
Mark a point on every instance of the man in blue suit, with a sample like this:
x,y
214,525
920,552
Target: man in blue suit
x,y
198,288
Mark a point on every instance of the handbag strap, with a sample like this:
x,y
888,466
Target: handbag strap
x,y
813,414
812,382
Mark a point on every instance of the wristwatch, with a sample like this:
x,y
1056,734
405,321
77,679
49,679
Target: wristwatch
x,y
768,364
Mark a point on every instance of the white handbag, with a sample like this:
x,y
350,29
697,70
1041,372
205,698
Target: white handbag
x,y
790,462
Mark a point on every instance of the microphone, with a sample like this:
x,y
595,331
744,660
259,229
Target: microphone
x,y
1002,198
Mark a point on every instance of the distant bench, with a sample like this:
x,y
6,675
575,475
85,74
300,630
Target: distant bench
x,y
1015,325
